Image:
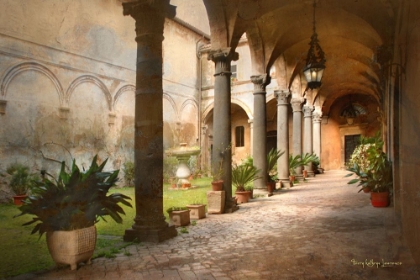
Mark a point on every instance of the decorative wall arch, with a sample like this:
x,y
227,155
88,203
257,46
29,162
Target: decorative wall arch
x,y
172,102
121,91
90,79
30,66
189,101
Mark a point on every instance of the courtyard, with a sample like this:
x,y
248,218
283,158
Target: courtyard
x,y
319,229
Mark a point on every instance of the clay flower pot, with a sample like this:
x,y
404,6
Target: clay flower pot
x,y
217,185
379,199
242,196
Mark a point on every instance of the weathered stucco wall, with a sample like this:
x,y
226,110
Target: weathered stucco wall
x,y
409,149
67,76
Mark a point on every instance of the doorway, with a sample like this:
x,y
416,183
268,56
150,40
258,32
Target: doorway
x,y
350,143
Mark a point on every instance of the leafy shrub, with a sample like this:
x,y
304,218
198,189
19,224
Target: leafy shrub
x,y
128,169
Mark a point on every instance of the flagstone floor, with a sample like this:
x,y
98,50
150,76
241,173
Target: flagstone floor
x,y
319,229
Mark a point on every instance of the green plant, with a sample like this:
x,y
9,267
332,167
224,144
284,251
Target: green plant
x,y
194,223
272,158
75,200
371,165
294,162
170,165
249,188
21,180
308,158
128,169
174,208
243,174
183,230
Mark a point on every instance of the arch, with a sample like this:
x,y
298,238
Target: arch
x,y
238,102
31,66
90,79
189,101
172,102
121,91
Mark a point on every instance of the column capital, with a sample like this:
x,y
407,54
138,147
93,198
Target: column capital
x,y
226,54
149,16
307,111
250,121
260,82
282,96
297,104
317,117
222,59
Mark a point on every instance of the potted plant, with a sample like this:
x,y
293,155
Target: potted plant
x,y
67,209
197,210
217,182
179,216
373,169
242,175
306,160
21,181
272,178
294,162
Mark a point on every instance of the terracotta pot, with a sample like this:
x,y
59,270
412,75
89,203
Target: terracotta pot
x,y
251,194
180,218
366,190
242,197
72,247
271,186
305,173
217,185
379,199
197,211
17,199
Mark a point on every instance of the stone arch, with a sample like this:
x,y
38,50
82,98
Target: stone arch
x,y
30,66
121,91
238,102
90,79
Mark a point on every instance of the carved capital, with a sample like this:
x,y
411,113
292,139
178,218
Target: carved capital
x,y
260,82
222,59
149,15
317,117
282,96
297,104
307,111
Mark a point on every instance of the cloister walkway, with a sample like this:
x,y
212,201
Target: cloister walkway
x,y
319,229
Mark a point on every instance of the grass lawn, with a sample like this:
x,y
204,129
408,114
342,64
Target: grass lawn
x,y
27,253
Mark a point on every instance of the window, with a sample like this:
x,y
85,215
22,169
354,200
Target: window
x,y
239,136
233,69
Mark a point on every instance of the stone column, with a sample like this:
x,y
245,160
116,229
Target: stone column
x,y
222,132
251,136
317,117
297,129
283,101
260,129
149,223
307,137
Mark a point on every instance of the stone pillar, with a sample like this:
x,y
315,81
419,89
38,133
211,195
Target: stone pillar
x,y
251,135
283,101
307,137
260,129
317,117
149,223
297,129
222,132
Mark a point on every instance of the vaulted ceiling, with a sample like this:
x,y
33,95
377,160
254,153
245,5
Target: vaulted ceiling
x,y
279,31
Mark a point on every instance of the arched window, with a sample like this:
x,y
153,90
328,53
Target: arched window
x,y
240,136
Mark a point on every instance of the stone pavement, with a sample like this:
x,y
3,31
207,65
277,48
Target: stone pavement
x,y
319,229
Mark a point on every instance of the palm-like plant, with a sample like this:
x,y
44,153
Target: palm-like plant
x,y
75,200
243,174
294,162
21,180
272,158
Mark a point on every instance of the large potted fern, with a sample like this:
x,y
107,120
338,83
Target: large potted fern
x,y
67,209
272,158
242,175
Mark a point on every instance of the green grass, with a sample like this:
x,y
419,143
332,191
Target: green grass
x,y
28,253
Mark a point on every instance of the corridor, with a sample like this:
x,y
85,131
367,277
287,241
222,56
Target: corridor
x,y
319,229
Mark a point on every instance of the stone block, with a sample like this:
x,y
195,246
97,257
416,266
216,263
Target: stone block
x,y
216,202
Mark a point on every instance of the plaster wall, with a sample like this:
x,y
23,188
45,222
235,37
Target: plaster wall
x,y
409,42
67,76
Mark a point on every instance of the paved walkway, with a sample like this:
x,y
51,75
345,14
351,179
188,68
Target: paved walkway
x,y
319,229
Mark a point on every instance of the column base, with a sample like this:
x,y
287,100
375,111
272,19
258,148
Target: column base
x,y
150,235
285,184
311,174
